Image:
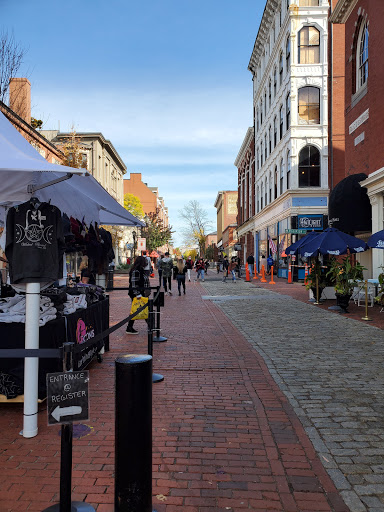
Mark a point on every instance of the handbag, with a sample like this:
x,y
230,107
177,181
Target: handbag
x,y
137,304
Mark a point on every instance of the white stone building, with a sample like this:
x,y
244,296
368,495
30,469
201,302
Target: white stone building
x,y
289,64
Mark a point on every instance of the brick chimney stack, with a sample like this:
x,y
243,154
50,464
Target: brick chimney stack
x,y
20,98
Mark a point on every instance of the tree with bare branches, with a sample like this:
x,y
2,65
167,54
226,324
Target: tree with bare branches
x,y
11,59
196,225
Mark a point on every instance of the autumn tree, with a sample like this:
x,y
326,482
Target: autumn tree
x,y
73,150
155,232
196,225
11,59
133,205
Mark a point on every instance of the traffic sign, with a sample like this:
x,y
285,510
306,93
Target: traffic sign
x,y
67,397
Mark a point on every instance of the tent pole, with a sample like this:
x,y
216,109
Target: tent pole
x,y
31,364
31,189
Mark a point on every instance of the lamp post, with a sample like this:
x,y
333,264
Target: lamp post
x,y
134,243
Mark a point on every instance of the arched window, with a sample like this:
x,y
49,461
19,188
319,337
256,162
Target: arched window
x,y
274,82
258,159
275,182
281,67
309,167
275,132
362,56
270,138
265,146
287,54
266,191
288,111
270,92
261,154
261,112
270,187
309,105
257,119
281,122
288,170
308,3
281,176
309,45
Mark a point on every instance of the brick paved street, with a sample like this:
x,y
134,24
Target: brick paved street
x,y
228,433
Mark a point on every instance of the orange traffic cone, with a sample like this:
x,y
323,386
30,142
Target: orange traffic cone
x,y
247,279
255,271
263,280
306,273
289,273
272,281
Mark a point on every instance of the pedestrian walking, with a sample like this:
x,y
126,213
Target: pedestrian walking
x,y
269,263
189,264
238,266
138,286
263,261
181,270
148,263
206,265
251,262
166,266
232,268
200,267
225,269
159,269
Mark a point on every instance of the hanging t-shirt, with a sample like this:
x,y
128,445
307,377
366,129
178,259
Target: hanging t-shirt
x,y
34,243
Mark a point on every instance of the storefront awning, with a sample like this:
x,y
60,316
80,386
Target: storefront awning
x,y
349,205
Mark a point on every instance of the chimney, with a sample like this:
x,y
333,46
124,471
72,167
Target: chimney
x,y
20,97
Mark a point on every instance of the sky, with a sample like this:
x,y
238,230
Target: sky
x,y
166,81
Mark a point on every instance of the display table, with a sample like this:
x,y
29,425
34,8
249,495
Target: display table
x,y
81,327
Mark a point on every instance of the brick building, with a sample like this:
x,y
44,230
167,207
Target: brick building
x,y
364,115
226,207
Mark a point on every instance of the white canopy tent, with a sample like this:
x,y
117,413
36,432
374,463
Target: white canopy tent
x,y
25,173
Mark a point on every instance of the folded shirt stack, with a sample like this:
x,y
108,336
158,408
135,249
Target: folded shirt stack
x,y
12,309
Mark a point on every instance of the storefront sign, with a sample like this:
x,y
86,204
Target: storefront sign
x,y
310,222
237,247
67,397
359,121
296,231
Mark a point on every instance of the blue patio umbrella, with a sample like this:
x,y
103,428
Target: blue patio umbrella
x,y
376,241
332,242
292,249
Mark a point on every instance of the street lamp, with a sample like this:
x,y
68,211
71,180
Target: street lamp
x,y
134,243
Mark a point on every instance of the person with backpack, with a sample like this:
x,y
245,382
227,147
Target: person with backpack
x,y
189,265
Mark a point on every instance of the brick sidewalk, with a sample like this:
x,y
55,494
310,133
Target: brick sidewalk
x,y
224,435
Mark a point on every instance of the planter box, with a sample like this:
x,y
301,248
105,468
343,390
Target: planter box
x,y
328,293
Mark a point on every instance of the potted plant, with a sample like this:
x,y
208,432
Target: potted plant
x,y
345,276
380,296
316,280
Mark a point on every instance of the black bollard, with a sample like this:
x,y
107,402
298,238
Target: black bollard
x,y
133,434
157,377
159,303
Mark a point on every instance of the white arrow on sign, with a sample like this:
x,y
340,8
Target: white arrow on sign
x,y
66,411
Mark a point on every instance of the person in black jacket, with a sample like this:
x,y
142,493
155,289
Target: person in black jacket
x,y
138,286
180,271
251,262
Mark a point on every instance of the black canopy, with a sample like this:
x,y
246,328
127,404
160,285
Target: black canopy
x,y
349,206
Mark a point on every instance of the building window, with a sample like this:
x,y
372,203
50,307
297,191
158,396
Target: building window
x,y
309,45
288,111
281,67
266,191
274,82
275,182
362,56
270,187
309,105
288,53
281,176
275,132
309,167
261,196
288,170
261,113
265,146
269,93
258,200
308,3
261,154
257,159
257,119
281,122
270,139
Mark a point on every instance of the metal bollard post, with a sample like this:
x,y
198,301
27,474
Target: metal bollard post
x,y
133,433
156,377
157,329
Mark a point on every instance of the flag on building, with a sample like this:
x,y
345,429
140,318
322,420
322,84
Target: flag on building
x,y
272,245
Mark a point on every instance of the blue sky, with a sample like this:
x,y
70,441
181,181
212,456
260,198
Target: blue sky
x,y
165,81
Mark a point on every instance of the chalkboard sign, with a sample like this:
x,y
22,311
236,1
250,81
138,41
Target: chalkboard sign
x,y
67,397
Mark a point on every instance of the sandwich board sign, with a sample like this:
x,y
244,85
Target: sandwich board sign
x,y
67,397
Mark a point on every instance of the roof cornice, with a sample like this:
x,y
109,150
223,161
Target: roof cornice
x,y
265,24
342,11
247,139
